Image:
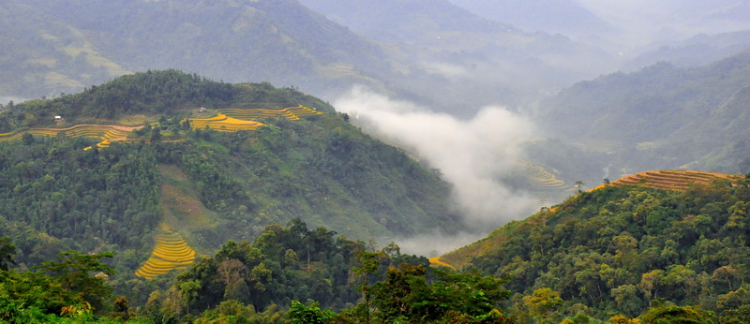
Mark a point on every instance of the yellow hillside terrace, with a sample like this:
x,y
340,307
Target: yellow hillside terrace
x,y
106,133
230,120
671,179
236,119
291,113
171,253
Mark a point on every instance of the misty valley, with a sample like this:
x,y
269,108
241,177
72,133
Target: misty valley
x,y
420,161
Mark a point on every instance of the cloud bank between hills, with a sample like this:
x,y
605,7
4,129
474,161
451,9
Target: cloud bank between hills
x,y
473,155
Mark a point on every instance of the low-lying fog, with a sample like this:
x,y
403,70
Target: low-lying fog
x,y
471,154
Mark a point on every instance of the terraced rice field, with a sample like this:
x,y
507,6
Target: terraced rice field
x,y
171,252
671,179
542,179
236,119
230,120
106,133
222,123
291,113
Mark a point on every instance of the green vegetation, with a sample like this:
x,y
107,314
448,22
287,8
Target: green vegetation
x,y
69,45
156,93
281,267
56,194
660,117
621,250
70,289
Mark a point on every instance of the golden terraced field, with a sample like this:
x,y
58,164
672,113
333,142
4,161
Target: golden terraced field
x,y
106,133
542,179
229,120
291,113
236,119
171,253
671,179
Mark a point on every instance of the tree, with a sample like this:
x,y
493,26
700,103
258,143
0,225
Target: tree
x,y
290,258
677,314
417,294
7,251
301,314
542,301
579,184
650,283
76,271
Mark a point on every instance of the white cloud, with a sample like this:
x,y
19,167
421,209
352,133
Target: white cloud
x,y
471,154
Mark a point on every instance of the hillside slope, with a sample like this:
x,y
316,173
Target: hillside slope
x,y
65,45
460,61
676,180
565,17
619,250
208,182
661,117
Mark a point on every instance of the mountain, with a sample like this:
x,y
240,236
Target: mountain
x,y
693,52
277,41
644,22
188,163
660,117
554,17
430,52
458,61
623,248
413,21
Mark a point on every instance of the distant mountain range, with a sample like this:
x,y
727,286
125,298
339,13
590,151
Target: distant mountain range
x,y
693,52
432,52
551,16
65,45
661,116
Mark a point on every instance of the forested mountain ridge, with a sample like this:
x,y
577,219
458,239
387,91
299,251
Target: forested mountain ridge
x,y
619,250
66,45
678,180
666,116
461,61
208,184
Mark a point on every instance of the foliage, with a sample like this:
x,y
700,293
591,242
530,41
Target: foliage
x,y
151,93
74,269
301,314
407,295
66,290
54,195
621,250
261,275
675,314
7,250
76,199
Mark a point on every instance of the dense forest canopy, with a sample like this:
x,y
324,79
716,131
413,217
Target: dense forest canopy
x,y
621,250
63,192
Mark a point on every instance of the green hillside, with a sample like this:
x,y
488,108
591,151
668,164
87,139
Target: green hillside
x,y
207,181
661,116
63,46
624,248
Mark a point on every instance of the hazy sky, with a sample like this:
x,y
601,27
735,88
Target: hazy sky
x,y
646,20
